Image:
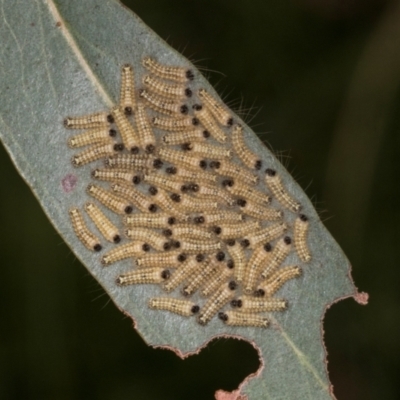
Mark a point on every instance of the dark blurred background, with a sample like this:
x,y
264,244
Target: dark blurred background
x,y
319,81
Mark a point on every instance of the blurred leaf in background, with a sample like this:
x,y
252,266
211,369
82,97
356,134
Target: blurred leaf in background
x,y
321,79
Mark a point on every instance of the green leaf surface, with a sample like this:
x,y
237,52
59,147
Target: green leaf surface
x,y
62,58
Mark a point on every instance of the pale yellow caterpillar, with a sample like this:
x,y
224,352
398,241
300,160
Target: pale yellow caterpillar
x,y
300,238
90,121
177,74
92,136
185,308
158,220
110,200
137,198
169,90
271,285
235,318
264,235
103,224
116,175
274,182
218,300
248,158
87,238
163,105
128,134
217,108
187,136
146,135
95,152
185,270
143,276
234,171
208,121
170,258
127,250
256,305
278,255
127,100
255,265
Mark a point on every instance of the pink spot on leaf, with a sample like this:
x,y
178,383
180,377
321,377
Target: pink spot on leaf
x,y
69,182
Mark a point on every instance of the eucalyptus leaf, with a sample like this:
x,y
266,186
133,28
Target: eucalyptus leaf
x,y
62,58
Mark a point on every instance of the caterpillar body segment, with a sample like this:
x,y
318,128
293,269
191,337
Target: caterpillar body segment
x,y
260,212
86,237
185,270
192,246
190,231
250,159
223,274
124,251
137,198
172,73
182,159
234,171
255,265
213,192
127,101
278,256
218,300
209,123
300,238
145,131
188,175
207,150
103,224
274,182
128,133
265,235
181,124
240,189
186,136
149,236
163,105
165,202
164,181
237,318
114,203
93,136
192,204
257,305
218,218
203,274
236,230
168,90
154,221
133,162
185,308
239,259
144,276
95,152
170,258
115,175
276,280
217,108
90,121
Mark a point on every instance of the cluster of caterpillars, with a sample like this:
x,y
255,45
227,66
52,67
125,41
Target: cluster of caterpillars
x,y
199,213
